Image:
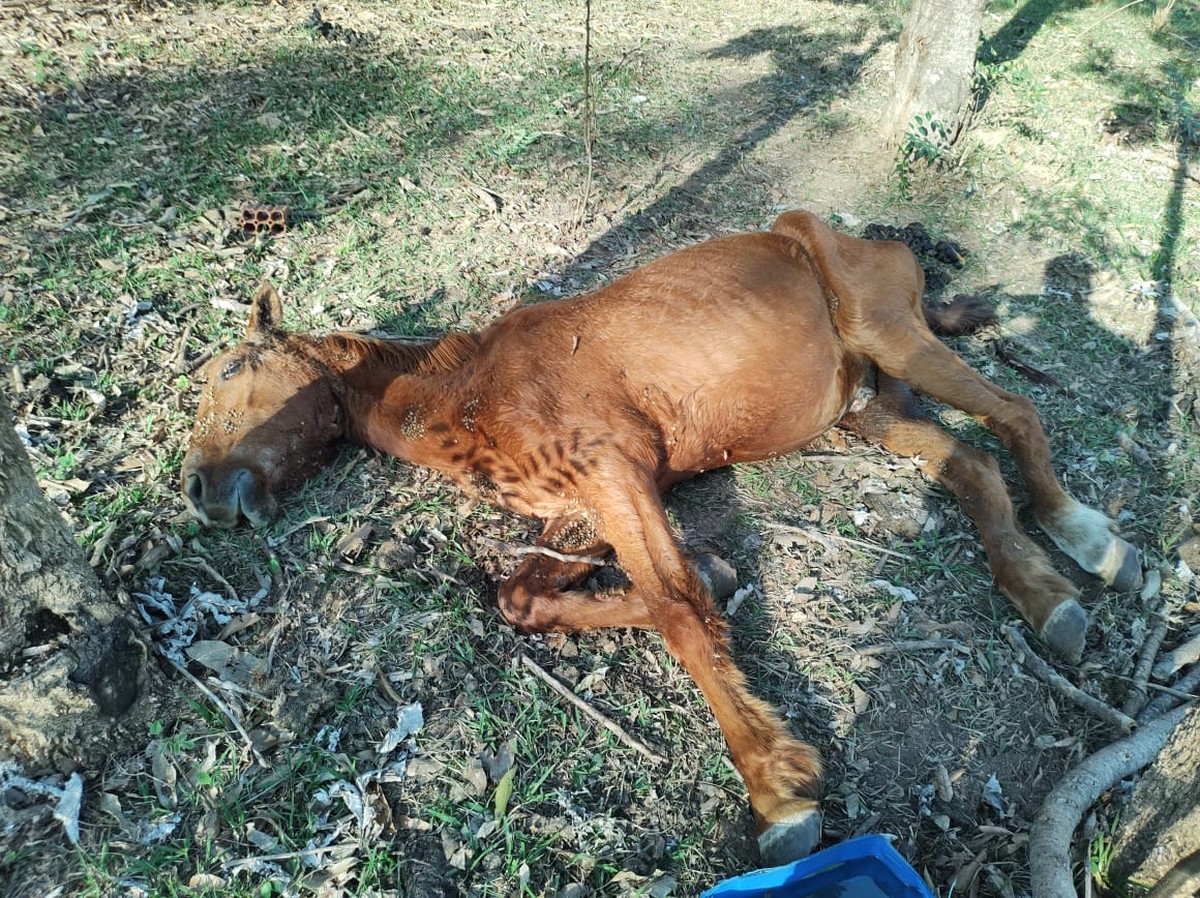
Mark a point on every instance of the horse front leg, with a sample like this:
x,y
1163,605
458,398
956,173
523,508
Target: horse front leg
x,y
782,774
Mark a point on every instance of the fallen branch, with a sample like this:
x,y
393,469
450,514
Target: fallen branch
x,y
1050,836
594,560
1136,699
1183,689
1048,675
614,728
913,645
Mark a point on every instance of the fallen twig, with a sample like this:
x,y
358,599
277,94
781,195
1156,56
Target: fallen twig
x,y
1003,350
179,362
234,864
837,537
614,728
595,560
913,645
224,709
1184,689
1048,675
1104,19
1155,687
1050,837
1136,698
205,354
272,542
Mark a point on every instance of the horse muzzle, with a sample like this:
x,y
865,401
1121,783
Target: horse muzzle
x,y
221,498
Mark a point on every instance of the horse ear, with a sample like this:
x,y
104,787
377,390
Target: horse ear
x,y
266,311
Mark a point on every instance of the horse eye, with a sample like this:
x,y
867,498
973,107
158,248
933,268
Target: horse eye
x,y
231,369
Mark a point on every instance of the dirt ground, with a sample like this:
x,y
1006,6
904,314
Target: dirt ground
x,y
407,748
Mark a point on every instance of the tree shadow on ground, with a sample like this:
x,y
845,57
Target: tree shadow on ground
x,y
173,124
811,69
1014,36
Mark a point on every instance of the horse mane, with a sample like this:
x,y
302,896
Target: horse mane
x,y
414,355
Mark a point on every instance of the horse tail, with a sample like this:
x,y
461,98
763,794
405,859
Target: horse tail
x,y
962,315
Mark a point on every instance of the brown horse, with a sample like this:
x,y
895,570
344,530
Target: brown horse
x,y
582,411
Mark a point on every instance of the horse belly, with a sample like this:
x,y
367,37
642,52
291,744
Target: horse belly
x,y
727,351
773,402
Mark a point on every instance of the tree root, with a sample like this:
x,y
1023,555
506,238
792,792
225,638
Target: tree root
x,y
1050,837
1181,689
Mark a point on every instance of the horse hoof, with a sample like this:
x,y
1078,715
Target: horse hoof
x,y
790,839
717,574
1065,631
1128,576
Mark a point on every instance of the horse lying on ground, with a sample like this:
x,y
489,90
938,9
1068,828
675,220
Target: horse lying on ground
x,y
582,411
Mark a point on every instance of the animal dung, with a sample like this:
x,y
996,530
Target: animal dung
x,y
270,220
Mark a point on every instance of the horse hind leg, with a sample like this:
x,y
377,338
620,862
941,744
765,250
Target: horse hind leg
x,y
1021,570
878,288
1085,535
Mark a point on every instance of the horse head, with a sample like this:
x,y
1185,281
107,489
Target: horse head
x,y
268,417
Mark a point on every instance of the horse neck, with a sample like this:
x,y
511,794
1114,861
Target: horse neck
x,y
377,379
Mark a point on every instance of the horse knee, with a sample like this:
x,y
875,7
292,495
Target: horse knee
x,y
1024,424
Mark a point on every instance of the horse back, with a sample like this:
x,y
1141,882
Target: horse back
x,y
724,351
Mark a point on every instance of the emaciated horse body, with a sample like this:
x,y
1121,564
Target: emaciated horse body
x,y
582,411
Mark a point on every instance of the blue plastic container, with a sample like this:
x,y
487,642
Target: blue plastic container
x,y
866,867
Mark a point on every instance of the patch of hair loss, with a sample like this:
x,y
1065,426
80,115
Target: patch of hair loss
x,y
412,424
575,535
469,410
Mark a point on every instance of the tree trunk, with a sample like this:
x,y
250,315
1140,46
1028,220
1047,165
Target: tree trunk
x,y
74,669
935,68
1160,833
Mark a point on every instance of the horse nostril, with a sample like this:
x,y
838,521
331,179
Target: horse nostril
x,y
194,488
